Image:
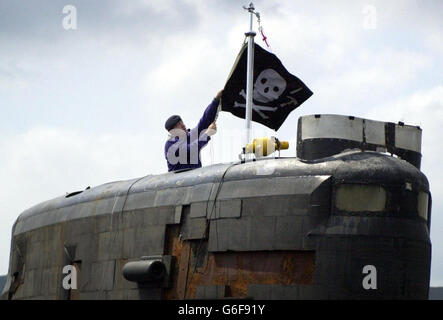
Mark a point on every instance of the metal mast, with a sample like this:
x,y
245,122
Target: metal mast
x,y
250,72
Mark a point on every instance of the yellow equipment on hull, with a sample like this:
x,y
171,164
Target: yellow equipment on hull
x,y
262,147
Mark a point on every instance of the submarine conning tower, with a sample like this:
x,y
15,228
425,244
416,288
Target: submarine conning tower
x,y
323,135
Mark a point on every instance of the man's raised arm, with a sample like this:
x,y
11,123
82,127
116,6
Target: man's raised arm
x,y
210,113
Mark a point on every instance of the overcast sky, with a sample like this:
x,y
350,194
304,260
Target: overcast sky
x,y
87,106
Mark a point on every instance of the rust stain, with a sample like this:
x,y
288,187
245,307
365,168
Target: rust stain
x,y
175,247
237,270
240,269
183,271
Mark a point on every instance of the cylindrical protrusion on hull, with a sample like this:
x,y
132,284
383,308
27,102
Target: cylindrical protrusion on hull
x,y
144,271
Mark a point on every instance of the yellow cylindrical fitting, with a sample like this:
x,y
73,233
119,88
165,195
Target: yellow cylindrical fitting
x,y
262,147
284,145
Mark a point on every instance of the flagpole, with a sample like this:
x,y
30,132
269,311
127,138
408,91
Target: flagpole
x,y
250,72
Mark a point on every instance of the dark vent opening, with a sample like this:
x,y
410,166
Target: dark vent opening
x,y
73,194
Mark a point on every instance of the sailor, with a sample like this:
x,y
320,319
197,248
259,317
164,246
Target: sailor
x,y
182,149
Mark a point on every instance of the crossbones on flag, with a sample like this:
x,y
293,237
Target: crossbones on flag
x,y
276,92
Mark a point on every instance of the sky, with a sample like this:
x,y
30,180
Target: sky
x,y
84,97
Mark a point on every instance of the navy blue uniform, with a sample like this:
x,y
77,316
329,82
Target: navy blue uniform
x,y
190,145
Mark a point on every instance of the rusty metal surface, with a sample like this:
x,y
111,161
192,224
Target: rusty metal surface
x,y
240,269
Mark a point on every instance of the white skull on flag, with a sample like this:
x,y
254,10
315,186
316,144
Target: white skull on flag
x,y
269,86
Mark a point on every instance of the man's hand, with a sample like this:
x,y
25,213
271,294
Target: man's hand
x,y
212,129
219,94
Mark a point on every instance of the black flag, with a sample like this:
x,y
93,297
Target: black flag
x,y
276,91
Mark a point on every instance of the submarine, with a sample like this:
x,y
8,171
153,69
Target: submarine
x,y
348,218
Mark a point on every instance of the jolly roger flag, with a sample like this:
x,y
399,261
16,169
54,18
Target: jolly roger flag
x,y
276,91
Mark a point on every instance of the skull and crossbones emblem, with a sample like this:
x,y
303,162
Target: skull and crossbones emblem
x,y
268,87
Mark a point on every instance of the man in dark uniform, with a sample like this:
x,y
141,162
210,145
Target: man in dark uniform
x,y
182,149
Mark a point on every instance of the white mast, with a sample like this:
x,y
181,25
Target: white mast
x,y
250,73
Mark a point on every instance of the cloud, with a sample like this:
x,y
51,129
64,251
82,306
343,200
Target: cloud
x,y
41,22
434,41
11,76
370,77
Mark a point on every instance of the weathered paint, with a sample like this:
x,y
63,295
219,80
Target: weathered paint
x,y
274,236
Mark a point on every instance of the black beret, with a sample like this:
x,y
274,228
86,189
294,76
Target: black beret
x,y
171,122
